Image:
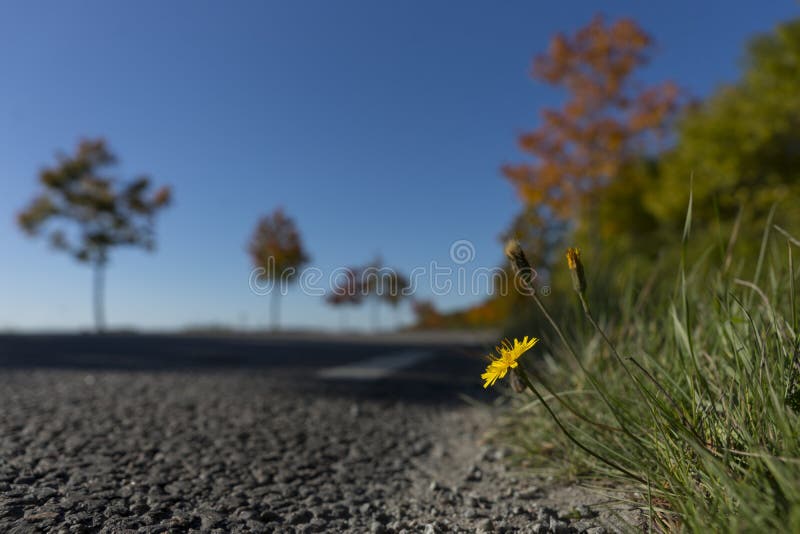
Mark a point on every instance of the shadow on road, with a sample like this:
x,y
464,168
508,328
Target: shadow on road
x,y
450,372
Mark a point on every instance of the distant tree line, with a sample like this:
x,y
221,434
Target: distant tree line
x,y
612,168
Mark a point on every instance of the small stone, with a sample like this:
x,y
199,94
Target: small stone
x,y
300,518
545,513
43,516
529,493
558,527
313,500
256,526
485,525
210,519
474,474
45,493
500,454
420,448
383,517
341,512
317,525
270,516
582,526
584,511
377,527
244,515
539,528
139,508
434,486
261,476
596,530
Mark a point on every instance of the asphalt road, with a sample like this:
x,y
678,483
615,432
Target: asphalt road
x,y
134,433
441,371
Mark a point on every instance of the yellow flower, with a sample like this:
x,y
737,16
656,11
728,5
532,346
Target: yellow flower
x,y
509,354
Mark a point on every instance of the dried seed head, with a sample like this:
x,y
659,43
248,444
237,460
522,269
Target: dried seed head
x,y
519,262
573,257
576,269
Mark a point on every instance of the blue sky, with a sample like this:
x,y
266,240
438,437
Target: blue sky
x,y
380,126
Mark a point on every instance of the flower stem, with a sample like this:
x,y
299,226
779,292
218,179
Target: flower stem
x,y
569,406
524,377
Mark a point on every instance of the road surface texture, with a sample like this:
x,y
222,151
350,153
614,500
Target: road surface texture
x,y
127,433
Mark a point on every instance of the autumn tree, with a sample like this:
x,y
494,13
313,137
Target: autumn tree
x,y
397,288
87,212
382,284
373,282
608,118
277,253
346,290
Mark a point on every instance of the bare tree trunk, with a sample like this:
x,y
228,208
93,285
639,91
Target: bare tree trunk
x,y
275,311
99,297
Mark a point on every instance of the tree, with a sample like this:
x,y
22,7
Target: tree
x,y
382,283
87,212
276,249
397,287
607,120
741,146
346,290
374,282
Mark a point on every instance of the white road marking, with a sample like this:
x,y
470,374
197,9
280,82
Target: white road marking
x,y
375,368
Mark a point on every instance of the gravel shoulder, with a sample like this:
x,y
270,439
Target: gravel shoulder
x,y
259,451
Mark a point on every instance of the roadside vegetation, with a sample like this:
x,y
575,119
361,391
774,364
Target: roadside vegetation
x,y
689,396
669,362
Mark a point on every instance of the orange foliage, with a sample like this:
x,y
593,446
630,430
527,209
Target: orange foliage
x,y
580,148
492,312
276,245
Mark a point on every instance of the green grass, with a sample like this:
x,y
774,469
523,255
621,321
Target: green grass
x,y
689,397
